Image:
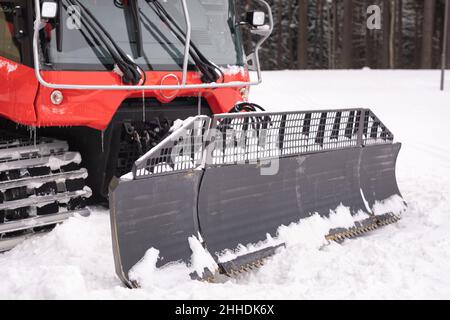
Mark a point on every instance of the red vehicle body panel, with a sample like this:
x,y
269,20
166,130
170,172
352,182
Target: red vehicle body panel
x,y
18,89
25,101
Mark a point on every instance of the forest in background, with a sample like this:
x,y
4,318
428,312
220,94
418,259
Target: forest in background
x,y
333,34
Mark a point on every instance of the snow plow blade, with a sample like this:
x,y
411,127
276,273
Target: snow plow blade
x,y
233,179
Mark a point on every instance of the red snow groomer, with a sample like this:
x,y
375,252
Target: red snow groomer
x,y
90,97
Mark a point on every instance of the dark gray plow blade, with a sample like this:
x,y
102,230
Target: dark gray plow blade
x,y
158,207
153,213
245,206
235,178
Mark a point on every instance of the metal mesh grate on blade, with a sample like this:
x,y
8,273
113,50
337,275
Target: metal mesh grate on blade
x,y
246,137
374,131
241,138
183,150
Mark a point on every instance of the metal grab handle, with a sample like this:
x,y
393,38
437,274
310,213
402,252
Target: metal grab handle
x,y
187,45
254,56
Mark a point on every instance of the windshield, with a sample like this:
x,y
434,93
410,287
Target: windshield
x,y
214,32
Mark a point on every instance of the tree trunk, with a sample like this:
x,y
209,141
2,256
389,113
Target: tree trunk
x,y
319,46
369,48
386,33
302,34
329,37
448,36
417,36
399,35
291,36
335,32
427,34
392,36
347,35
280,51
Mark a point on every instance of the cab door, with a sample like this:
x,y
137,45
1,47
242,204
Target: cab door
x,y
18,85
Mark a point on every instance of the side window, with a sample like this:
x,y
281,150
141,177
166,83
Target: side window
x,y
9,46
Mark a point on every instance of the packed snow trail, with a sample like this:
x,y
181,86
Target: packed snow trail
x,y
407,260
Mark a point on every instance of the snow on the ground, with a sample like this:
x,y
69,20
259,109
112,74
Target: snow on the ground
x,y
408,260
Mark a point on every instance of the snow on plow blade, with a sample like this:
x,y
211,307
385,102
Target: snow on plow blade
x,y
235,178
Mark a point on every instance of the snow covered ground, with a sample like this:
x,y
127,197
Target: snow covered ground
x,y
408,260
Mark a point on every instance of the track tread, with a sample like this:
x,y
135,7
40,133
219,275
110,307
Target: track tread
x,y
41,184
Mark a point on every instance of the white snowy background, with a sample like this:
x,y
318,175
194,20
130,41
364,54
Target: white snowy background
x,y
408,260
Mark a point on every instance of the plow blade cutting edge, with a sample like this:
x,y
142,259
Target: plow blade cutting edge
x,y
232,179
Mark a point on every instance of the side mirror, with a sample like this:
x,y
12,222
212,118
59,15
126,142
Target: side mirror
x,y
256,18
49,10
